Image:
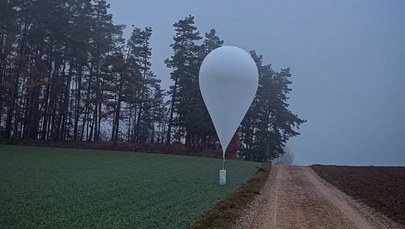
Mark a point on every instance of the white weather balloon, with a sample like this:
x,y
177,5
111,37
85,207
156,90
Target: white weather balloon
x,y
228,82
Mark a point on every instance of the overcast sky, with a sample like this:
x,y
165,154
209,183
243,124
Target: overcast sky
x,y
347,59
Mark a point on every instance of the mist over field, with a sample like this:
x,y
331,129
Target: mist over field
x,y
346,60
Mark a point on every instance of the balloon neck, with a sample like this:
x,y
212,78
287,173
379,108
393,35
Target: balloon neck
x,y
223,158
223,161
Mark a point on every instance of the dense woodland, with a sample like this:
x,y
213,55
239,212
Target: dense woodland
x,y
68,74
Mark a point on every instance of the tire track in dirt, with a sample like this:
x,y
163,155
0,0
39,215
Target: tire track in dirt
x,y
295,197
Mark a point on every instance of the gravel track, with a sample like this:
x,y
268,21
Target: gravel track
x,y
296,197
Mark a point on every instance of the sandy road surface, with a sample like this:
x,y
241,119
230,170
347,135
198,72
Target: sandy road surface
x,y
295,197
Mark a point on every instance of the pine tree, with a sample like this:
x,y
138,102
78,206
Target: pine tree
x,y
269,123
8,35
140,51
101,46
185,65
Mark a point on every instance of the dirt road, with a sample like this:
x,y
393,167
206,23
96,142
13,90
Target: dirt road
x,y
295,197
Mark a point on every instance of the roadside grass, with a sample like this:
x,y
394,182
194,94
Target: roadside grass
x,y
70,188
226,212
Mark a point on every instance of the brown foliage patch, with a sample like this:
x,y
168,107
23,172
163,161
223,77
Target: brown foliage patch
x,y
175,149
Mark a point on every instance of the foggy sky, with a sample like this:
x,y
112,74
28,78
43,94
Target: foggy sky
x,y
347,59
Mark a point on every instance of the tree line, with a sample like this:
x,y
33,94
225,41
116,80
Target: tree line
x,y
68,74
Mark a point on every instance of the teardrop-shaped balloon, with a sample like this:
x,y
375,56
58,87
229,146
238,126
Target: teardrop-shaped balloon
x,y
228,82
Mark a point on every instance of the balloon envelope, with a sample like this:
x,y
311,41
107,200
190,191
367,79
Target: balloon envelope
x,y
228,81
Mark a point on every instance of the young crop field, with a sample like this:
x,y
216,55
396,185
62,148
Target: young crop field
x,y
382,188
71,188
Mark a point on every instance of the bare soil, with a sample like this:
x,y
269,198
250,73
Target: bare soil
x,y
381,188
296,197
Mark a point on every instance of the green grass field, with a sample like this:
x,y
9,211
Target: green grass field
x,y
71,188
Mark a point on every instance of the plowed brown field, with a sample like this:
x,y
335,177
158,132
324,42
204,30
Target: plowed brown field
x,y
381,188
